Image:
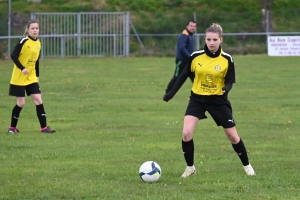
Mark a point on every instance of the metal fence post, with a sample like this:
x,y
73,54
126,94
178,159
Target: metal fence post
x,y
9,28
115,45
79,34
62,46
127,34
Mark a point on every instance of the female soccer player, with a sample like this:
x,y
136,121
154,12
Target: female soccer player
x,y
214,74
25,77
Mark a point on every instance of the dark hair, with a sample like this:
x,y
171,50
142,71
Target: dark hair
x,y
28,25
191,20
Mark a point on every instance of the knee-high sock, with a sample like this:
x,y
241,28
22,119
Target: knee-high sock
x,y
241,151
188,152
15,115
41,114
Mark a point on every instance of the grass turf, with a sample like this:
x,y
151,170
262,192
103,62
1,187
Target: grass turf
x,y
110,118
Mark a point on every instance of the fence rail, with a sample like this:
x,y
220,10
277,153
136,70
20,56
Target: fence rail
x,y
108,34
66,45
114,34
81,34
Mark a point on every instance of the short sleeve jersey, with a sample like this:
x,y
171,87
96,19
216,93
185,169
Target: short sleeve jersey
x,y
28,56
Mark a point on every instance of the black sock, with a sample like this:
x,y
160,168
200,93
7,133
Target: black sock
x,y
188,152
15,115
240,149
40,112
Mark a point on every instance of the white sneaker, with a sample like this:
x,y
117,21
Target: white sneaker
x,y
249,170
189,171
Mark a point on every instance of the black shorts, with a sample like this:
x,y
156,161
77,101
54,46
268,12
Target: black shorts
x,y
19,91
222,114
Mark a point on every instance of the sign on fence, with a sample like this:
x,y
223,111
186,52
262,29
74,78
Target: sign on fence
x,y
284,45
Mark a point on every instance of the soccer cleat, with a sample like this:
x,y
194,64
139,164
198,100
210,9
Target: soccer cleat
x,y
189,171
249,170
13,130
47,130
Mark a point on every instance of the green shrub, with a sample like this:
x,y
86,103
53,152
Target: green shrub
x,y
3,49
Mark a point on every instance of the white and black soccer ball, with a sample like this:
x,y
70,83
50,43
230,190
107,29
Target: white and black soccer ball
x,y
150,171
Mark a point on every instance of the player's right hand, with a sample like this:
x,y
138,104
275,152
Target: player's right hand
x,y
25,71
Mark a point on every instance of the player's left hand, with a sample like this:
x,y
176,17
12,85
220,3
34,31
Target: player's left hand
x,y
167,97
224,90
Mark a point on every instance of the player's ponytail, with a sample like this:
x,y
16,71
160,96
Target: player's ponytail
x,y
25,32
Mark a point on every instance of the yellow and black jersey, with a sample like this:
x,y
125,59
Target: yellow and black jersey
x,y
211,70
211,73
26,55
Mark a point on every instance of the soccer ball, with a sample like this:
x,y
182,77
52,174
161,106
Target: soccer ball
x,y
150,171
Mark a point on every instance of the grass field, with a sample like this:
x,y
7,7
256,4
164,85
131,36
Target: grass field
x,y
110,118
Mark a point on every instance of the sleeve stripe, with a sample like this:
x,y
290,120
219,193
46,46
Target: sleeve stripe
x,y
227,55
198,52
22,40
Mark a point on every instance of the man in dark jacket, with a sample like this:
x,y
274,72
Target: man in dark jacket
x,y
185,47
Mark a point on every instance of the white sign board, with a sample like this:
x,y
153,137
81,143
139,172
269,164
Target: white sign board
x,y
284,45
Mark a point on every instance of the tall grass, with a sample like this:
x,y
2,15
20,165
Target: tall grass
x,y
110,118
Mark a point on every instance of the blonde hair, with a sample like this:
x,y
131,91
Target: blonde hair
x,y
215,28
28,25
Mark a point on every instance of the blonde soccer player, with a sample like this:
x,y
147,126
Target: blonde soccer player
x,y
25,77
214,74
